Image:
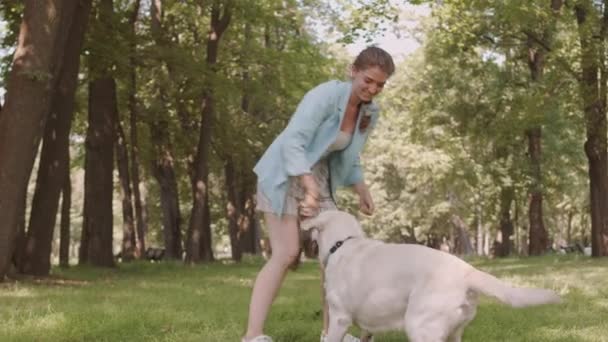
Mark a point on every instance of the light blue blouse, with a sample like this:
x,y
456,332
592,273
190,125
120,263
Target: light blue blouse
x,y
312,129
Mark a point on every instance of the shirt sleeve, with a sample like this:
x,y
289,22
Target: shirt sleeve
x,y
310,113
356,173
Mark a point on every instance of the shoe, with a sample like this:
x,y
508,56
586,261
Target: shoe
x,y
347,338
261,338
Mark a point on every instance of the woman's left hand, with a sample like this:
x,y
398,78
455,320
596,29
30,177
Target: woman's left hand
x,y
366,203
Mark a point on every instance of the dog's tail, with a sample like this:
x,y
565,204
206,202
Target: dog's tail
x,y
516,297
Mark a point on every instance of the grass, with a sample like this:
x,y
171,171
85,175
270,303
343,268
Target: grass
x,y
173,302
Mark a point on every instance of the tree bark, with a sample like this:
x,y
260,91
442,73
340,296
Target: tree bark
x,y
132,247
479,228
538,236
164,172
164,168
36,62
99,158
141,217
505,248
19,250
64,232
593,90
249,224
462,243
54,160
199,247
233,209
122,162
538,48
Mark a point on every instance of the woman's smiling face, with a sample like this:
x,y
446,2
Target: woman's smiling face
x,y
367,83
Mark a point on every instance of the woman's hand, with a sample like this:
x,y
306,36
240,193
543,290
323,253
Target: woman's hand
x,y
366,203
309,206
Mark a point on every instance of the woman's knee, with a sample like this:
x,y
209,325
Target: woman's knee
x,y
284,239
286,256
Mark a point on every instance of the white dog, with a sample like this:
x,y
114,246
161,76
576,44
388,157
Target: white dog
x,y
379,286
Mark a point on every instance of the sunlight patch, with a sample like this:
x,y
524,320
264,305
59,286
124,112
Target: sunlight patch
x,y
233,280
582,334
17,292
50,321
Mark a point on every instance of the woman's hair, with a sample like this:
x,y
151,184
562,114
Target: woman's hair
x,y
374,56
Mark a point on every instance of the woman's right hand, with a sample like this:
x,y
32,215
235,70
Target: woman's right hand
x,y
309,206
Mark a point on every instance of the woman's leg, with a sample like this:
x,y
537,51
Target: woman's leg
x,y
284,240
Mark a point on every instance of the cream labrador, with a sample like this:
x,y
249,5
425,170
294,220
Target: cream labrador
x,y
431,295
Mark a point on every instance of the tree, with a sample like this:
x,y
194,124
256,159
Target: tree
x,y
97,235
199,247
36,62
54,160
163,167
592,20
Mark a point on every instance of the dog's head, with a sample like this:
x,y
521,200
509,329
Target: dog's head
x,y
331,226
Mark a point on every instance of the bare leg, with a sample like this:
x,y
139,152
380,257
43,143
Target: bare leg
x,y
284,241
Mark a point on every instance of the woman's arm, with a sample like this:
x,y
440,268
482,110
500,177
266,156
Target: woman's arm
x,y
314,108
366,203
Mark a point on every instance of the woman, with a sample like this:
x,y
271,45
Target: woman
x,y
300,171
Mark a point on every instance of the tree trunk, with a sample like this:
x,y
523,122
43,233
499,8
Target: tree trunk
x,y
505,248
249,224
99,159
164,173
130,248
54,160
36,62
122,162
233,209
462,242
164,168
593,93
538,236
199,247
569,227
141,217
98,219
64,232
479,240
19,251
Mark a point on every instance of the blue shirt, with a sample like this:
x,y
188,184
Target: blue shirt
x,y
312,129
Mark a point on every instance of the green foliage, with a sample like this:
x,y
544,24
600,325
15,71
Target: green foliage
x,y
10,20
366,19
453,133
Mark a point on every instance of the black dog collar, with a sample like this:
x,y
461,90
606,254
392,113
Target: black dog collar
x,y
334,248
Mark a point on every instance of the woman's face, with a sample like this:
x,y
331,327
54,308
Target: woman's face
x,y
367,83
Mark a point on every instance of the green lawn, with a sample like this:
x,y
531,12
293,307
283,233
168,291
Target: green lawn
x,y
173,302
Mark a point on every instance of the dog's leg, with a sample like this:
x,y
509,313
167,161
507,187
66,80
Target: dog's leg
x,y
366,336
424,323
456,336
468,313
337,328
